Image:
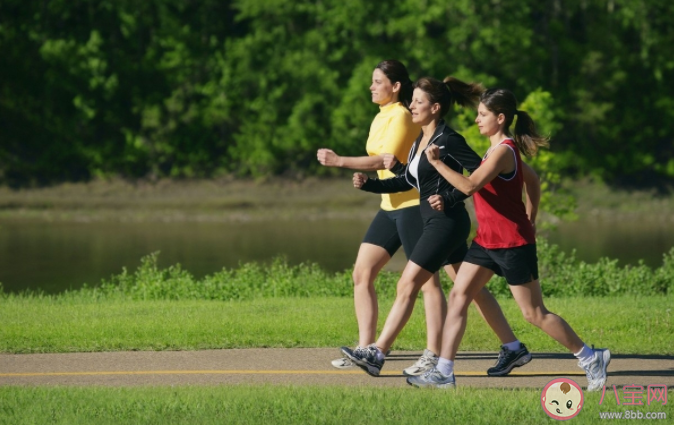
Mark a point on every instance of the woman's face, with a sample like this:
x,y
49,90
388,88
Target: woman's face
x,y
488,122
382,90
423,111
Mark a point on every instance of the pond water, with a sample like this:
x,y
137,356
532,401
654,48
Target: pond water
x,y
58,256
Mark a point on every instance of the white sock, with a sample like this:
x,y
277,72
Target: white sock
x,y
513,346
445,366
585,355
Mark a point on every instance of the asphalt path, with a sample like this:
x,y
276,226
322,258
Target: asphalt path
x,y
302,366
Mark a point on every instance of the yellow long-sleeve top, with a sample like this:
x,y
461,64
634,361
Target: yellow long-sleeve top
x,y
392,131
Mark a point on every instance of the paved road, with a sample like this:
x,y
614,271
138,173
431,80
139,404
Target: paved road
x,y
300,366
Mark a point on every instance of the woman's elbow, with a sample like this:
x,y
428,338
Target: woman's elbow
x,y
468,191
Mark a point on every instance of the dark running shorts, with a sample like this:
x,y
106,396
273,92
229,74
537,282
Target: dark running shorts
x,y
443,240
518,265
390,229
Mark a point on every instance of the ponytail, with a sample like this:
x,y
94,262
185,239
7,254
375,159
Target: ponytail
x,y
405,94
463,94
449,92
527,138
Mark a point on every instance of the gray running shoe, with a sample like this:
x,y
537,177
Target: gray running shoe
x,y
595,370
344,362
365,358
508,360
433,379
426,362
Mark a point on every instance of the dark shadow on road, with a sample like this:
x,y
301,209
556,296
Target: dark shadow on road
x,y
543,356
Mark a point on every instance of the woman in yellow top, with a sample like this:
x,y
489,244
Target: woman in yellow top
x,y
398,221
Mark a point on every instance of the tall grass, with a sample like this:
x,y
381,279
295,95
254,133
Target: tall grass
x,y
287,405
562,275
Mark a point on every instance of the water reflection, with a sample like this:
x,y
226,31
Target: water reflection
x,y
58,256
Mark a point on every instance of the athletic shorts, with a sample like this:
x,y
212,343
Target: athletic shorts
x,y
390,229
443,240
518,265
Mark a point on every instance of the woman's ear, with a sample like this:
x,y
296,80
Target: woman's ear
x,y
435,108
396,87
500,119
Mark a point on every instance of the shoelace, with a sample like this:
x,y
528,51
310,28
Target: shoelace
x,y
371,351
501,357
424,361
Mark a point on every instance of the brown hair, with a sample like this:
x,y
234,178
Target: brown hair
x,y
502,101
565,387
450,91
397,73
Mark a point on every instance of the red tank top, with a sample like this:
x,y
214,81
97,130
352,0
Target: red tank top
x,y
501,215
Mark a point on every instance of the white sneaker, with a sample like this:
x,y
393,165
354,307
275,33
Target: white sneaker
x,y
342,363
426,363
595,370
433,379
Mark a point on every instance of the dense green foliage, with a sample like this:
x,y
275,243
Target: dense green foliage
x,y
561,276
193,89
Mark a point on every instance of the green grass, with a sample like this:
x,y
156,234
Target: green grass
x,y
39,325
286,405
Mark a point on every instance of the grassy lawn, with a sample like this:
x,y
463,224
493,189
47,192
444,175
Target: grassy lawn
x,y
40,325
285,405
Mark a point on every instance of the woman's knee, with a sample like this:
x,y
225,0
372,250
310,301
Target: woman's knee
x,y
432,288
363,275
407,289
534,316
458,300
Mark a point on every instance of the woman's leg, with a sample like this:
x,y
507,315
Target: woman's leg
x,y
411,281
410,228
469,281
489,309
371,259
530,300
435,306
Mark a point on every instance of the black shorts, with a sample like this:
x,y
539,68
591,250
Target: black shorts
x,y
518,265
390,229
443,240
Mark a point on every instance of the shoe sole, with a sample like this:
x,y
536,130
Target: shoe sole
x,y
437,387
367,367
517,363
342,351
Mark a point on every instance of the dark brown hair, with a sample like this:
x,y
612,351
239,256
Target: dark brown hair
x,y
450,91
502,101
397,73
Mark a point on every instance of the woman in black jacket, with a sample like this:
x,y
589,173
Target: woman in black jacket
x,y
446,221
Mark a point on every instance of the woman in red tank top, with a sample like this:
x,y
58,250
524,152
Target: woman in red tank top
x,y
505,242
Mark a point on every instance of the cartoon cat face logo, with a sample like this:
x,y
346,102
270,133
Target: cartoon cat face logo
x,y
562,399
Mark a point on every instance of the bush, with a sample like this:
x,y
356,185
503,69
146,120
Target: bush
x,y
561,275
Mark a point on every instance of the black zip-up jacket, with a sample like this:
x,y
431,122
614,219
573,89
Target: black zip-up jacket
x,y
454,152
